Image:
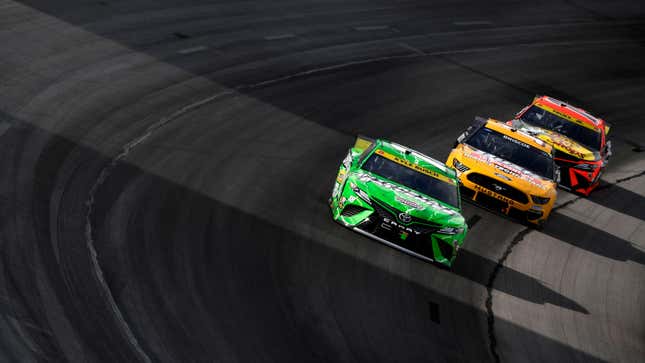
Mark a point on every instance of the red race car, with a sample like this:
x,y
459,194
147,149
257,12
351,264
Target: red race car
x,y
581,148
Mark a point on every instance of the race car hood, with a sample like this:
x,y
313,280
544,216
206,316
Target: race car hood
x,y
407,200
493,166
558,141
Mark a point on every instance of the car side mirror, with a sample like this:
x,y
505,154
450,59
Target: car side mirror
x,y
556,174
608,152
460,139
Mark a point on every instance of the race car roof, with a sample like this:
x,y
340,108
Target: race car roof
x,y
577,113
415,157
509,131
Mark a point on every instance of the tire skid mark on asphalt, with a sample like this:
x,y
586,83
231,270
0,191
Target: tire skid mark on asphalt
x,y
280,36
127,149
196,49
413,49
105,172
369,28
519,237
98,272
472,22
103,175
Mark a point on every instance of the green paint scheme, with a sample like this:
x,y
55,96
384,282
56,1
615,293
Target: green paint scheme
x,y
430,229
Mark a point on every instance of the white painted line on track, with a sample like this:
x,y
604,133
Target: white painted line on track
x,y
474,22
196,49
280,36
411,48
371,28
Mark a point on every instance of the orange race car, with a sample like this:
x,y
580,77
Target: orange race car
x,y
505,170
580,140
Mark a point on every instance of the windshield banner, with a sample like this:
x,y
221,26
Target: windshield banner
x,y
568,118
415,167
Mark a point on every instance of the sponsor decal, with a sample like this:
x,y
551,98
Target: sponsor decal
x,y
568,147
347,162
336,190
594,119
405,218
409,203
407,193
516,141
506,167
561,142
388,224
568,118
341,175
502,176
415,167
481,189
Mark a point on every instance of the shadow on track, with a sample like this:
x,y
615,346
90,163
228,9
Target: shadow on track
x,y
594,240
621,200
189,271
513,282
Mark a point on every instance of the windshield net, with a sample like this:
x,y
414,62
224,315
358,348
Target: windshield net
x,y
515,151
542,118
412,179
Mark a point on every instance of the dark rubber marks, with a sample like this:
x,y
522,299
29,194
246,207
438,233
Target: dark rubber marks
x,y
434,312
473,220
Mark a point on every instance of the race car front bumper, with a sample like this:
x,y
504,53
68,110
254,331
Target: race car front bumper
x,y
419,241
393,245
512,204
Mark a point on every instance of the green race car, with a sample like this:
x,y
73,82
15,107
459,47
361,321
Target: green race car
x,y
401,198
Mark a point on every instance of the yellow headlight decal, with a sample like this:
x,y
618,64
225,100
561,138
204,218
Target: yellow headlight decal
x,y
415,167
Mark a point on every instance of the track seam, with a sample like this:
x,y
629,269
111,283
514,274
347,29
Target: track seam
x,y
128,147
492,340
519,237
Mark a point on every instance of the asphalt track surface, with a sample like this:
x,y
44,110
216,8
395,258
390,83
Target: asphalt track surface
x,y
165,166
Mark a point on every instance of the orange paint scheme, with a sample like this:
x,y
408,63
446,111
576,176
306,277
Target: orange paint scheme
x,y
500,185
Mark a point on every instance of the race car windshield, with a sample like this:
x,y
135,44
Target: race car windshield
x,y
412,179
515,151
542,118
